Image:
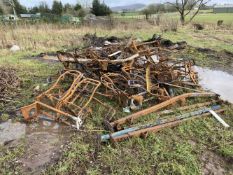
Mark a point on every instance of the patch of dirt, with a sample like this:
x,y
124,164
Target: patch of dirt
x,y
218,60
212,164
95,41
49,57
222,54
207,36
44,145
42,149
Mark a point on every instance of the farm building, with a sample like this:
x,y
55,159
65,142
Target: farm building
x,y
223,9
30,16
9,17
69,19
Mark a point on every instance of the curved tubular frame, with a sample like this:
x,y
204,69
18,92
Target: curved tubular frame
x,y
69,97
77,77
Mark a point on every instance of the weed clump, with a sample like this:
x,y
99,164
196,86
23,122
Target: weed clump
x,y
9,81
168,25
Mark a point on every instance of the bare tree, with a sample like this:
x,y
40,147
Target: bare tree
x,y
9,3
184,7
152,9
12,4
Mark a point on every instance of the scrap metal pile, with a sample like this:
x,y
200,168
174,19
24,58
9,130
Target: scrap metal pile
x,y
134,74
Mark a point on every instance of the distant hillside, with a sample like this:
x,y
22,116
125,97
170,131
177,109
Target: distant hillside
x,y
132,7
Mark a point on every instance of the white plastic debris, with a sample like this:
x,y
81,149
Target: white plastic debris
x,y
115,53
79,122
155,58
37,88
126,110
219,118
106,43
133,106
15,48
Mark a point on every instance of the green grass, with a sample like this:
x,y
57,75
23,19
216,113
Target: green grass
x,y
213,39
213,18
8,158
31,72
207,17
166,152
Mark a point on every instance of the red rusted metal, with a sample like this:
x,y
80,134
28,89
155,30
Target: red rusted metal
x,y
134,116
64,101
133,73
144,132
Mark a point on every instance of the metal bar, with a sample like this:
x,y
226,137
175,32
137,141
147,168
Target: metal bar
x,y
158,107
177,86
158,127
219,118
83,60
181,117
148,78
115,53
187,107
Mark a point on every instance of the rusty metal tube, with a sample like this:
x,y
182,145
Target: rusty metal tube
x,y
157,128
158,107
83,60
181,117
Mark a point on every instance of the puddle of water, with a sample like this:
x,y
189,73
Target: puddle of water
x,y
218,82
10,131
58,129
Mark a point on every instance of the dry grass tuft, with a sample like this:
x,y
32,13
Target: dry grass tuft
x,y
168,24
41,37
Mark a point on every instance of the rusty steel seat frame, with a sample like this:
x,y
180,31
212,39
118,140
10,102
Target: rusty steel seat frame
x,y
77,77
33,110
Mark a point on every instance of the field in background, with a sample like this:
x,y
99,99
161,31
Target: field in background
x,y
52,37
213,18
205,16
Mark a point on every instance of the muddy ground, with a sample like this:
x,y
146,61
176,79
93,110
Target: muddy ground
x,y
43,142
222,60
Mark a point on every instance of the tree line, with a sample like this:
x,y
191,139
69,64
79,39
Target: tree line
x,y
98,8
183,7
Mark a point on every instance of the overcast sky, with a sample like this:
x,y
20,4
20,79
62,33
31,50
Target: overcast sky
x,y
111,3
